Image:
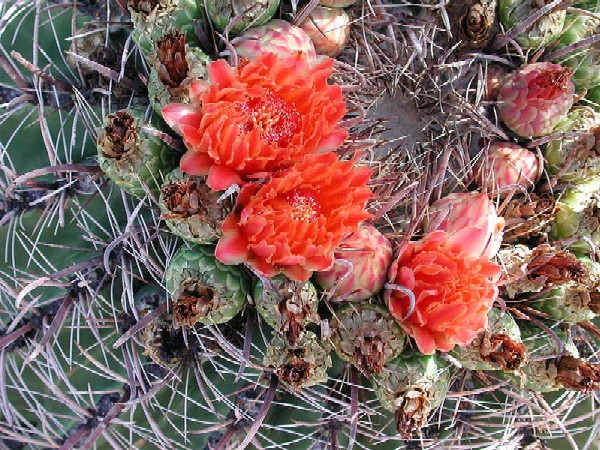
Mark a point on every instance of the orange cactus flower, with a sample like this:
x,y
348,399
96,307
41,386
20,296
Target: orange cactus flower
x,y
259,117
292,223
453,292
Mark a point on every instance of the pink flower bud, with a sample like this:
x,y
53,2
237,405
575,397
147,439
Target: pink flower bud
x,y
360,267
329,30
507,165
471,222
533,99
277,36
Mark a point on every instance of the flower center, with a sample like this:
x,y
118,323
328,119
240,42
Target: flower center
x,y
304,205
277,120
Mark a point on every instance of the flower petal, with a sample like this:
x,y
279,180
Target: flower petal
x,y
222,177
232,248
195,163
177,114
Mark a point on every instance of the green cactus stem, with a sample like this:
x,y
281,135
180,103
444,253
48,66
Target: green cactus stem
x,y
576,157
246,13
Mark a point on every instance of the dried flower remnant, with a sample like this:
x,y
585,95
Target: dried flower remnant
x,y
133,157
526,216
594,303
193,302
170,55
498,347
162,342
293,223
477,21
578,375
412,386
534,98
533,270
572,301
260,117
119,137
202,289
153,19
503,351
287,305
557,266
145,6
453,292
175,65
301,366
366,336
191,209
540,372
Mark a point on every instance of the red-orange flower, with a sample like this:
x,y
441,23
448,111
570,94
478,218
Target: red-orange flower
x,y
261,116
292,223
453,292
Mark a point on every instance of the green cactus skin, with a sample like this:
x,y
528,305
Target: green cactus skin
x,y
367,336
254,13
585,61
132,157
194,271
203,225
412,386
160,95
590,5
593,95
572,203
300,366
578,155
513,12
150,25
288,306
499,347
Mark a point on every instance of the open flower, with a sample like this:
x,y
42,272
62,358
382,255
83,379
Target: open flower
x,y
292,223
453,292
259,117
471,219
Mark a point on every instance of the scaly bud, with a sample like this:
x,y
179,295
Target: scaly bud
x,y
534,98
367,336
131,155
